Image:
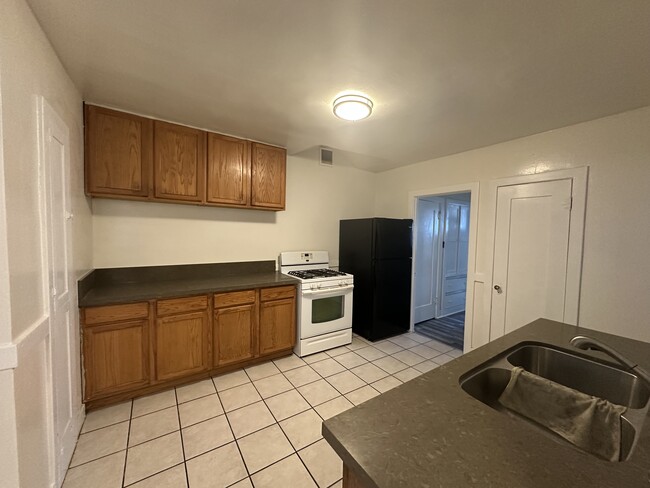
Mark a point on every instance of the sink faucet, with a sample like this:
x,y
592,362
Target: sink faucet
x,y
584,342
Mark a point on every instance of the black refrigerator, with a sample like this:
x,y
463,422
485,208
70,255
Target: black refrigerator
x,y
378,253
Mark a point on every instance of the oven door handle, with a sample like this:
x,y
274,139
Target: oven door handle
x,y
331,290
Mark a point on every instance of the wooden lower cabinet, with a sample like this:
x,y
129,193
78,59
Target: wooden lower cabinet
x,y
277,330
234,329
182,338
138,348
350,480
116,356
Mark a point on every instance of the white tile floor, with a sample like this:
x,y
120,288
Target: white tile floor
x,y
259,426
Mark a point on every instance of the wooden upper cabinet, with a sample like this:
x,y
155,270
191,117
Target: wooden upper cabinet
x,y
229,170
268,176
132,157
118,153
179,162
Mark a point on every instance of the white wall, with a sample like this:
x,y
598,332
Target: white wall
x,y
616,266
142,233
29,68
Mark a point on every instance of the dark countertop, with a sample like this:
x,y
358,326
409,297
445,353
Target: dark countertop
x,y
126,285
429,433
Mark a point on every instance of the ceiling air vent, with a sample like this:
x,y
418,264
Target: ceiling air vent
x,y
326,156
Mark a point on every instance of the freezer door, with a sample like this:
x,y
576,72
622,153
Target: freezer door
x,y
393,238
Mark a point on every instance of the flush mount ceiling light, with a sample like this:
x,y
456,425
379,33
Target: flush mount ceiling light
x,y
352,107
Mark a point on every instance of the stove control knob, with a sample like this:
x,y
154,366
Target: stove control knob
x,y
320,286
312,286
341,283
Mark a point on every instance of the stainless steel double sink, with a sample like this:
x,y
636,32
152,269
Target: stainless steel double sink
x,y
572,369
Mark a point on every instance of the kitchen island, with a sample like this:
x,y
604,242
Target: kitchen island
x,y
430,433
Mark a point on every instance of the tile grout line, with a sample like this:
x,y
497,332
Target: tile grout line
x,y
234,437
295,451
180,431
234,440
126,453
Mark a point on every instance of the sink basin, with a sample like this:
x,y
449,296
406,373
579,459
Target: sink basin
x,y
571,369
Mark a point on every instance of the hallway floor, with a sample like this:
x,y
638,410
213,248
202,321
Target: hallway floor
x,y
259,426
449,330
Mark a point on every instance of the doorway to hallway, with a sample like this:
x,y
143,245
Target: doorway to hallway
x,y
440,266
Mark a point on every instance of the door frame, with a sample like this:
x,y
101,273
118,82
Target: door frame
x,y
579,177
473,189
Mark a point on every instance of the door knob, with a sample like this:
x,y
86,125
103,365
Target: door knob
x,y
498,289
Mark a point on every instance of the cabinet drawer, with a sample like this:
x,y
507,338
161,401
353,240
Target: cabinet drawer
x,y
234,298
277,293
178,305
116,313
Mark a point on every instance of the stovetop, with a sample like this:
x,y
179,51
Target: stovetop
x,y
311,267
310,274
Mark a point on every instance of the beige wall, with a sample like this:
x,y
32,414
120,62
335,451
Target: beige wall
x,y
29,68
139,233
616,268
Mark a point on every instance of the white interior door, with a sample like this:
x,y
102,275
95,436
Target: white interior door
x,y
64,352
531,249
427,224
455,255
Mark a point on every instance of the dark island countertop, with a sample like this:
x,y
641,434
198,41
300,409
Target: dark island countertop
x,y
430,433
112,286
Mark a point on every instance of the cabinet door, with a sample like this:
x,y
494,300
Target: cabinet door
x,y
181,345
118,153
116,357
268,176
229,172
277,325
179,158
234,334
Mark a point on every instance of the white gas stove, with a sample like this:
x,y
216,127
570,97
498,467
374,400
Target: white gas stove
x,y
324,302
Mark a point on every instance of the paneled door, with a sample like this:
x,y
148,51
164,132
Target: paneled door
x,y
425,293
454,257
531,253
64,338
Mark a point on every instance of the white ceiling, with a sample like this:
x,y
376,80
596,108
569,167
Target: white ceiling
x,y
445,76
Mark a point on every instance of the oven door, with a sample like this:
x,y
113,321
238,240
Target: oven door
x,y
325,310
